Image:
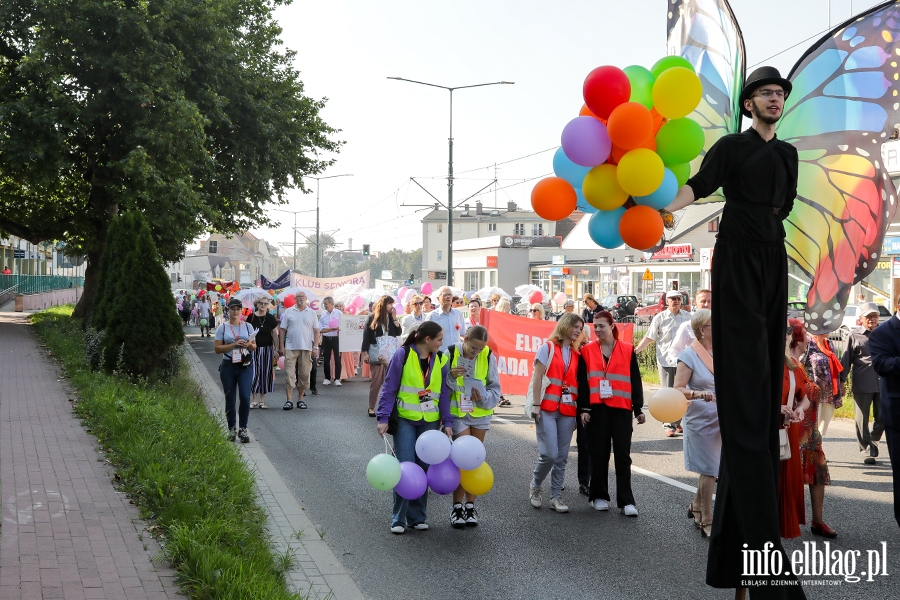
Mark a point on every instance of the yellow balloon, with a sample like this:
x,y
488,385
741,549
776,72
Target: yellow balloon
x,y
477,481
677,92
667,405
640,172
601,188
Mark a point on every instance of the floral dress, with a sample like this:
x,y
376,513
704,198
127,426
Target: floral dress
x,y
819,367
812,457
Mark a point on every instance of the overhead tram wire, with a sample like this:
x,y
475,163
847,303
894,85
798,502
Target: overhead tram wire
x,y
506,162
765,60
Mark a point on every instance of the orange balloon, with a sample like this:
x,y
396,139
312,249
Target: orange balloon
x,y
641,227
630,125
586,112
658,121
553,198
617,152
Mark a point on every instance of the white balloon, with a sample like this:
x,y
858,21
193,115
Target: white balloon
x,y
433,447
467,452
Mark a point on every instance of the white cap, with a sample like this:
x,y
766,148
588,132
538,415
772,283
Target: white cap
x,y
867,308
673,294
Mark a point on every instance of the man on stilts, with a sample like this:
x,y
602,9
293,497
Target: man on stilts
x,y
758,175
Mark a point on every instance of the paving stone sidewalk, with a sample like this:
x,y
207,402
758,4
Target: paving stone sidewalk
x,y
66,532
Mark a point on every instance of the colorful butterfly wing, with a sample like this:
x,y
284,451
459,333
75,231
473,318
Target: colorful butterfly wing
x,y
706,33
843,106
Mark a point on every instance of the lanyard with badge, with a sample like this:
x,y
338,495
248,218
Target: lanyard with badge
x,y
466,404
606,390
425,401
235,356
566,393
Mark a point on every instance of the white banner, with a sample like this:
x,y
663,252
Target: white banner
x,y
323,285
350,335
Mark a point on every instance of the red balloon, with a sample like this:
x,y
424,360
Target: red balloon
x,y
289,301
535,297
553,198
604,89
641,227
630,125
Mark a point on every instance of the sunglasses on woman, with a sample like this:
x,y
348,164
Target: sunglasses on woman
x,y
418,303
534,310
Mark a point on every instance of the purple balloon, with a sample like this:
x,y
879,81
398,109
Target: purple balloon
x,y
443,478
413,482
585,141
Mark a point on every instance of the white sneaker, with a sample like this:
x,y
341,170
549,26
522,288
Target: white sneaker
x,y
599,504
398,529
536,497
630,510
558,505
326,382
337,383
420,526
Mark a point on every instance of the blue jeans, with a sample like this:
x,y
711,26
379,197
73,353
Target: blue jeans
x,y
410,512
554,436
236,378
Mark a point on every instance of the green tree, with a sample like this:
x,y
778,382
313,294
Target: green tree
x,y
399,262
142,327
119,241
189,112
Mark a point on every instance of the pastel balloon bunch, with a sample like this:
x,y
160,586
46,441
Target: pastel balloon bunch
x,y
627,153
450,464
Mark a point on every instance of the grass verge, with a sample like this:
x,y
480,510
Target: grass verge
x,y
174,462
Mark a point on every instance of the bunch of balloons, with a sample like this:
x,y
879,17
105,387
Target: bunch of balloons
x,y
450,464
627,153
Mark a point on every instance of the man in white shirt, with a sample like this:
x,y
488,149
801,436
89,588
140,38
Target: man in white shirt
x,y
203,313
684,337
299,344
662,331
450,319
330,340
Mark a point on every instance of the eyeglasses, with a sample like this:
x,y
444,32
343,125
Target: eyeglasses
x,y
674,299
535,310
418,303
770,93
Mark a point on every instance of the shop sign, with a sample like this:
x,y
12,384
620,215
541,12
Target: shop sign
x,y
890,156
706,255
529,241
674,251
891,245
558,259
896,269
474,262
556,271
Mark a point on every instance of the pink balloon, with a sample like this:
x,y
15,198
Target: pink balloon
x,y
334,322
560,297
427,287
536,297
402,291
281,363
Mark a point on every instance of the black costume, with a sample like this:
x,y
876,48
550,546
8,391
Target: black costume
x,y
749,284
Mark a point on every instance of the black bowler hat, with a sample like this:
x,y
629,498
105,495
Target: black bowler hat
x,y
760,77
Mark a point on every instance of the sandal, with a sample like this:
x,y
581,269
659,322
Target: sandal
x,y
288,405
371,412
262,406
504,402
705,530
254,405
694,513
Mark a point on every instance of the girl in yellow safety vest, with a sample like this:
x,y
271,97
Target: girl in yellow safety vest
x,y
473,367
418,385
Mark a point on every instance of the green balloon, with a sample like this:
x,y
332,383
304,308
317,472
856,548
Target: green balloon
x,y
383,472
682,172
679,141
642,81
668,62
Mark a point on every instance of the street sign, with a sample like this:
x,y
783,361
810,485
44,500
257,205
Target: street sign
x,y
648,276
18,254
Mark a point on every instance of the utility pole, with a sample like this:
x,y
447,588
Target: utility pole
x,y
318,252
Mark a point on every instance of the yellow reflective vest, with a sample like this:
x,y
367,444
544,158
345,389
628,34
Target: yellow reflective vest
x,y
412,386
457,385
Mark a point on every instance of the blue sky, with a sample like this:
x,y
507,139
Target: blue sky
x,y
393,130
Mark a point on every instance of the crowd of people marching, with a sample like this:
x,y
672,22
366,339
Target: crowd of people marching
x,y
430,368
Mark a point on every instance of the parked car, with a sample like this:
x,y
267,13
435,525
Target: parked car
x,y
646,312
851,321
796,309
620,306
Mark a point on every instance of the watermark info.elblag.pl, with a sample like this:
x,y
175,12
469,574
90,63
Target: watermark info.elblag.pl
x,y
815,564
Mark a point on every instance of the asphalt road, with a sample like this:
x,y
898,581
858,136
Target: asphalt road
x,y
518,551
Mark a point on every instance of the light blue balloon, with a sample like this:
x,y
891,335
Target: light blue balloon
x,y
582,204
566,169
663,195
604,228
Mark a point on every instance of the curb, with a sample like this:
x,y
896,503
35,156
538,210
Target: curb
x,y
317,571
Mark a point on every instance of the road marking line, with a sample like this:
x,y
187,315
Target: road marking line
x,y
501,420
664,479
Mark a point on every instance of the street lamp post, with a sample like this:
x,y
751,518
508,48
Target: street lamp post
x,y
295,213
450,164
317,212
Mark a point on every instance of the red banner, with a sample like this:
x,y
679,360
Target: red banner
x,y
515,340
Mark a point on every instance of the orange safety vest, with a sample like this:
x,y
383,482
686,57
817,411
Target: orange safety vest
x,y
560,376
617,372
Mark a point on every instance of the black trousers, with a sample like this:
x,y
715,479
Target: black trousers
x,y
864,437
610,428
584,454
893,443
329,348
749,284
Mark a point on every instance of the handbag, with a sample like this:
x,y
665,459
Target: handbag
x,y
545,383
246,355
784,443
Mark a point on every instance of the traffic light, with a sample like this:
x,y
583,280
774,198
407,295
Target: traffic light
x,y
365,249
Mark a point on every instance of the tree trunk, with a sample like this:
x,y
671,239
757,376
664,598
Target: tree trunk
x,y
85,305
